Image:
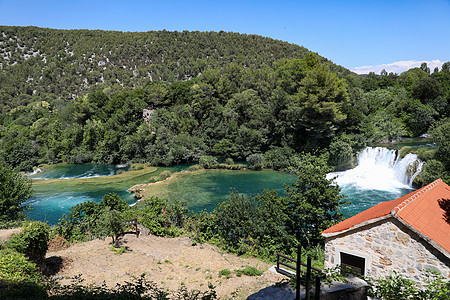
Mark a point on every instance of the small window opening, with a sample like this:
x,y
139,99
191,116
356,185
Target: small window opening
x,y
352,261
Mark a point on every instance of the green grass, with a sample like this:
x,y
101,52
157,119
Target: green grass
x,y
226,273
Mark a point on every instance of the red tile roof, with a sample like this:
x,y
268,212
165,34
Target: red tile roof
x,y
427,210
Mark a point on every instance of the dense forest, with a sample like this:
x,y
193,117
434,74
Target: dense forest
x,y
170,97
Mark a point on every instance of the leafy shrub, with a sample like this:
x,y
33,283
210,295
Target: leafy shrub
x,y
32,241
20,278
395,286
154,179
194,167
426,154
226,273
113,201
202,227
81,224
164,174
431,170
404,151
15,190
229,161
118,251
278,158
138,288
12,224
136,167
237,218
208,162
15,267
255,159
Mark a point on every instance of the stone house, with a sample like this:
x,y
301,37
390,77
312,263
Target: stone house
x,y
409,235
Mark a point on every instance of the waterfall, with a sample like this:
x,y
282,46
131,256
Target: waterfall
x,y
381,169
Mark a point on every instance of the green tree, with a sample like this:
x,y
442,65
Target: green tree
x,y
322,95
341,153
441,135
382,126
15,189
427,89
314,201
109,224
114,202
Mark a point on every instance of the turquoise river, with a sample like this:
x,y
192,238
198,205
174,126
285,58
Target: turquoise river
x,y
380,176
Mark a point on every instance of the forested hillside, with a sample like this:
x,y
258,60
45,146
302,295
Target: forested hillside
x,y
170,97
36,61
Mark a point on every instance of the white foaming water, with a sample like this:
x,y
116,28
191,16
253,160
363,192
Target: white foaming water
x,y
380,169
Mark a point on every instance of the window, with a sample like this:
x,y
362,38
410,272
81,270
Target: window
x,y
357,263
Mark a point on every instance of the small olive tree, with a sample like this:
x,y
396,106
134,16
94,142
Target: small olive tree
x,y
109,224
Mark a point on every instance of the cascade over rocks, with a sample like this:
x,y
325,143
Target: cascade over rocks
x,y
380,168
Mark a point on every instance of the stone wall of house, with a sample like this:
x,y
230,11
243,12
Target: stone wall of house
x,y
388,245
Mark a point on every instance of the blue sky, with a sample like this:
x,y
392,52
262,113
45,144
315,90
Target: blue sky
x,y
350,33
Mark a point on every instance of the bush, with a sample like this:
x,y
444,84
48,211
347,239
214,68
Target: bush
x,y
229,161
341,153
255,159
431,170
278,158
202,227
164,174
194,168
20,278
32,241
395,286
226,273
15,267
136,167
138,288
154,179
114,202
426,154
208,162
12,224
404,151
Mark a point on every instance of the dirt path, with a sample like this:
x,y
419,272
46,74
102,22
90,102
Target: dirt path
x,y
5,234
169,262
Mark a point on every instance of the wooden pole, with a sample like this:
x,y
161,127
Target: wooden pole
x,y
317,287
298,270
308,278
